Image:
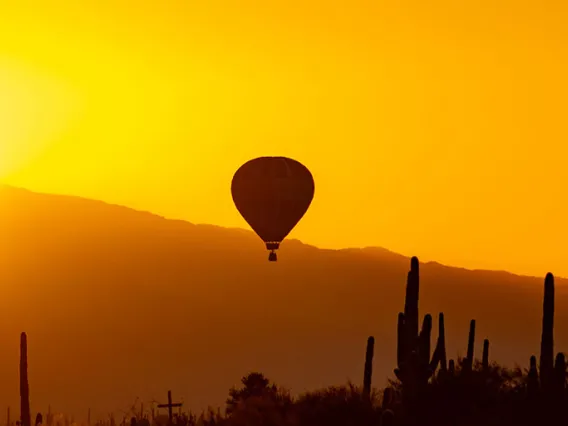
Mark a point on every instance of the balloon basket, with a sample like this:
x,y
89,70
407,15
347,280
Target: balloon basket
x,y
272,257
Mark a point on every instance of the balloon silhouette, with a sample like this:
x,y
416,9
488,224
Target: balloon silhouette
x,y
272,194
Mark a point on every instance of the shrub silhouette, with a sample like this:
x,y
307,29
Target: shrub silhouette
x,y
337,405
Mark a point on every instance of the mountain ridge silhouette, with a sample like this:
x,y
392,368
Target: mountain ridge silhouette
x,y
371,250
119,304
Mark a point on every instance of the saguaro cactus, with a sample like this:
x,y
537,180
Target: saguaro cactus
x,y
441,344
547,337
368,373
468,361
25,416
559,382
485,359
532,379
415,366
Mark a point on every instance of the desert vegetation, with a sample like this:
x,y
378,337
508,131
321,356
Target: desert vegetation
x,y
427,387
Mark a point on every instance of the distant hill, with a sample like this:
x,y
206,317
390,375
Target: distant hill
x,y
120,304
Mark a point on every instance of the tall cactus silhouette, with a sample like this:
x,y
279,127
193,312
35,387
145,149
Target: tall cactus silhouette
x,y
441,344
559,377
368,373
550,378
532,378
485,359
415,364
25,416
468,361
547,338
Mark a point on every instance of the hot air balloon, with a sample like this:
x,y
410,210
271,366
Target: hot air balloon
x,y
272,194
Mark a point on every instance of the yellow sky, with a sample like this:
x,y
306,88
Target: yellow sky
x,y
435,128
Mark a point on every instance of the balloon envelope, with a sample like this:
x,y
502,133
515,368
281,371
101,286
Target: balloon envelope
x,y
272,194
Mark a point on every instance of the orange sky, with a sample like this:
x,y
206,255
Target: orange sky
x,y
431,128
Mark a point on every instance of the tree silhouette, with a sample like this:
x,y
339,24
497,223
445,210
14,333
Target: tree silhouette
x,y
257,391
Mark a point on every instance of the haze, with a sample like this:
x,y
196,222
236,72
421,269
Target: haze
x,y
435,129
123,304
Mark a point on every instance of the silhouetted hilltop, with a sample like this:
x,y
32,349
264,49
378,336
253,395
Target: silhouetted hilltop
x,y
119,304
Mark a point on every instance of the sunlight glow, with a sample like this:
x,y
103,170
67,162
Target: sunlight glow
x,y
34,111
434,129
